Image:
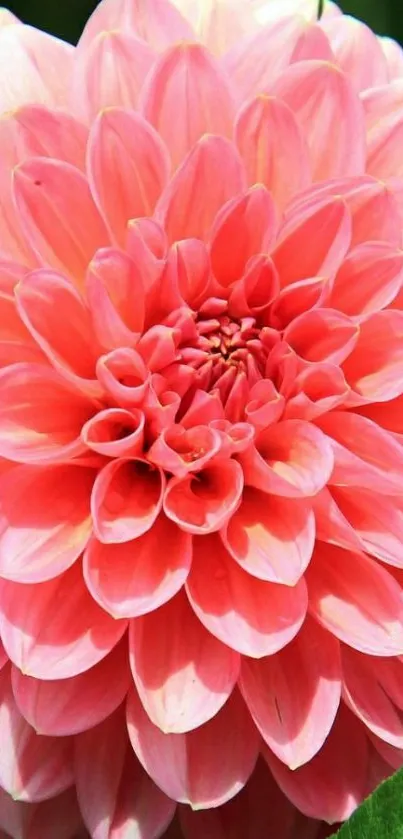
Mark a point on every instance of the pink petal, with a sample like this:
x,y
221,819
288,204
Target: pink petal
x,y
58,215
114,290
55,630
126,500
357,51
301,253
68,706
41,414
182,673
203,502
16,343
32,768
156,21
357,600
134,578
116,797
322,335
273,148
59,815
294,695
375,367
272,538
394,57
245,227
110,72
324,102
45,520
115,432
292,459
318,388
214,160
331,525
57,317
365,693
333,783
35,67
205,767
368,280
376,519
128,168
180,451
188,82
363,453
39,131
255,618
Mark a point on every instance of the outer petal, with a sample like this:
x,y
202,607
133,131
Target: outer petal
x,y
333,783
44,520
376,519
205,767
41,414
324,102
146,573
272,538
59,815
182,673
375,367
357,51
32,768
117,799
254,617
35,67
357,600
322,335
39,131
58,215
214,160
128,168
187,81
294,695
126,500
300,253
273,148
156,21
55,630
366,694
110,72
68,706
368,280
115,290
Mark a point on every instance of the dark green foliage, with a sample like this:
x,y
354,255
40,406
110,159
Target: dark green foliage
x,y
381,815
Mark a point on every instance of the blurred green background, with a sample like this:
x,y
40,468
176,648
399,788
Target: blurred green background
x,y
67,19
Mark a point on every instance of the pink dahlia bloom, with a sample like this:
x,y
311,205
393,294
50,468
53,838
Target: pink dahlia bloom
x,y
201,421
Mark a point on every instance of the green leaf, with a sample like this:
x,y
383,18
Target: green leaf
x,y
380,816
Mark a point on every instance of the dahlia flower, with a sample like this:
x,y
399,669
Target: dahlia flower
x,y
201,421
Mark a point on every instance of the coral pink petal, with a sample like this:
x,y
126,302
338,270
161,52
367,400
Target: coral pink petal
x,y
205,767
214,160
35,67
300,253
294,695
353,597
203,502
376,519
365,693
16,343
182,673
333,783
158,22
248,224
273,148
117,799
55,630
115,432
46,132
128,168
375,367
293,460
324,101
186,80
331,525
59,816
110,73
147,571
368,280
254,617
41,415
126,500
45,520
68,706
357,51
32,768
114,290
322,335
58,215
57,317
272,538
